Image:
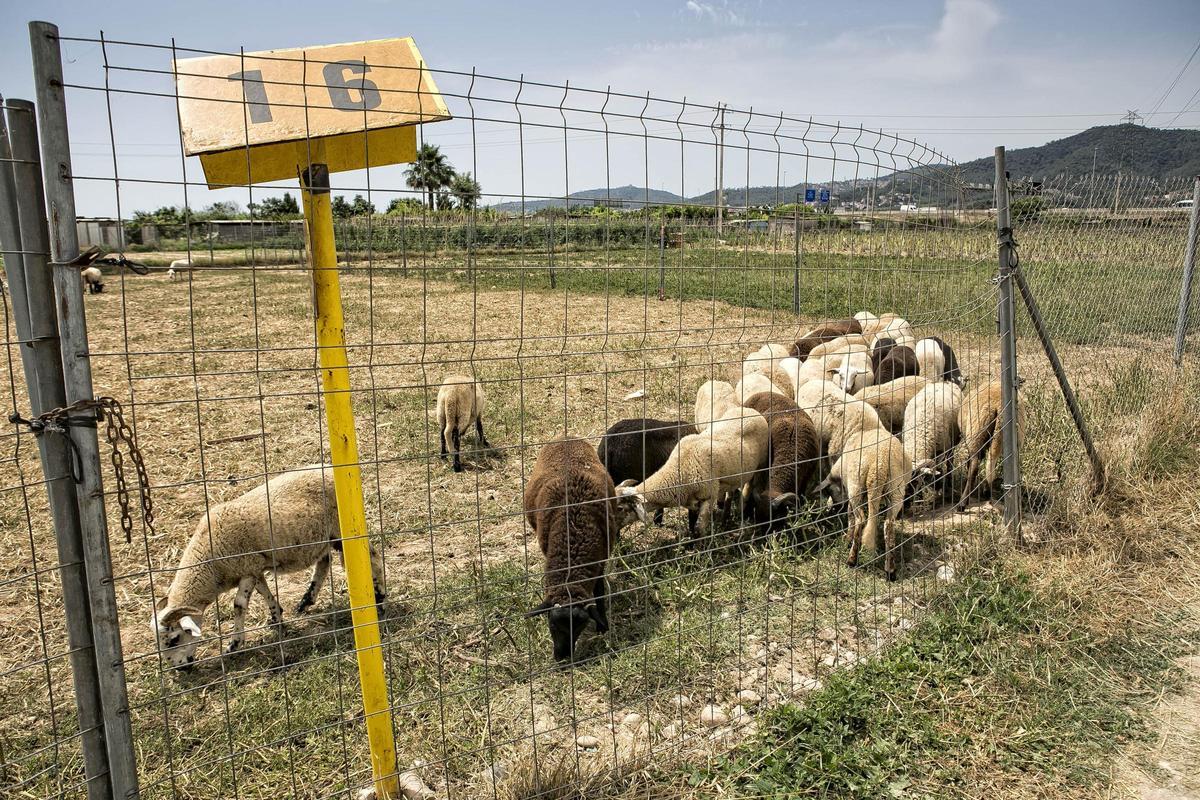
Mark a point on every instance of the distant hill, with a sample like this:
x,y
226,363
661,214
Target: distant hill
x,y
621,196
1136,149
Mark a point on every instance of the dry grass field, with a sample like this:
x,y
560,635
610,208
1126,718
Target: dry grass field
x,y
218,372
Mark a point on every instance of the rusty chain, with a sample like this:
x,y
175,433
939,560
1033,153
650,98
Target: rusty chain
x,y
119,436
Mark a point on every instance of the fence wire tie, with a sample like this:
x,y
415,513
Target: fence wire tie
x,y
117,432
1005,237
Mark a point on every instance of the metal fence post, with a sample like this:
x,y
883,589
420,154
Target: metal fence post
x,y
1189,265
37,326
1008,355
77,374
796,244
662,260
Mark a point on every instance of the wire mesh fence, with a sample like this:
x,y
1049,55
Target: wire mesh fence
x,y
622,267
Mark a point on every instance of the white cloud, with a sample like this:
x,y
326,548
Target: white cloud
x,y
722,15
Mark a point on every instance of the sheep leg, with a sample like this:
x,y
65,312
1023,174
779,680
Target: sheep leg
x,y
241,599
889,541
693,516
483,442
969,483
320,573
857,522
455,440
442,437
600,592
377,573
272,604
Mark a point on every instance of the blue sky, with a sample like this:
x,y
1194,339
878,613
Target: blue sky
x,y
962,75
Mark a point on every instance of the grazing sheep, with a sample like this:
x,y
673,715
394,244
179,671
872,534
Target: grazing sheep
x,y
832,410
703,468
93,279
872,472
879,350
899,362
791,457
637,448
938,362
979,424
769,366
713,399
571,506
181,265
823,332
895,327
868,322
853,371
890,399
815,369
841,345
460,402
752,385
930,435
285,525
171,274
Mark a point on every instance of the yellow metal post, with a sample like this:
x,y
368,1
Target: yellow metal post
x,y
347,477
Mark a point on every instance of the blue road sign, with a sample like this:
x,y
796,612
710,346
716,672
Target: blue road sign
x,y
824,195
810,195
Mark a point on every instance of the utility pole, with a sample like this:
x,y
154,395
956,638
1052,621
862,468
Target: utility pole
x,y
720,169
1092,183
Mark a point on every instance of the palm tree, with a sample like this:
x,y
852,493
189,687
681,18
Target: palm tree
x,y
429,172
466,190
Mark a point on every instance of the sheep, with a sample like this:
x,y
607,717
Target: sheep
x,y
891,398
180,265
931,433
895,327
868,322
460,402
93,279
938,362
752,385
853,371
899,362
570,503
703,468
823,332
284,525
979,424
713,399
873,472
791,457
843,344
769,365
636,448
171,274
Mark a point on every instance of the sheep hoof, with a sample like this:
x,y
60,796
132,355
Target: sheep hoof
x,y
852,561
304,604
891,576
380,598
234,646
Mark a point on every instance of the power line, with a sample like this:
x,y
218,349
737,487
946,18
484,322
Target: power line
x,y
1170,88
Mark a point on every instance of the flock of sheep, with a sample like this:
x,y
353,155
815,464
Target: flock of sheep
x,y
857,411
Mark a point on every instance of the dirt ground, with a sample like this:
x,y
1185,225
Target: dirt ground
x,y
1170,768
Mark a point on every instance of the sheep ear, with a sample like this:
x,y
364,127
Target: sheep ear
x,y
155,621
626,484
924,467
188,624
540,608
785,501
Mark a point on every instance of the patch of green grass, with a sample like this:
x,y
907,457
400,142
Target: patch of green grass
x,y
1000,678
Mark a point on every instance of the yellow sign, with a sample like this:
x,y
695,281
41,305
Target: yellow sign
x,y
255,117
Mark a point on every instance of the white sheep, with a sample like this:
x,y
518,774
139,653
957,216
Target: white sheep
x,y
891,398
873,473
868,321
850,343
930,434
460,403
713,399
981,428
172,274
835,414
853,371
703,468
753,384
285,525
768,361
181,265
93,279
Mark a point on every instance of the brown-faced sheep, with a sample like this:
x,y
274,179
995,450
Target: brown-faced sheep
x,y
571,506
460,403
979,424
791,457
